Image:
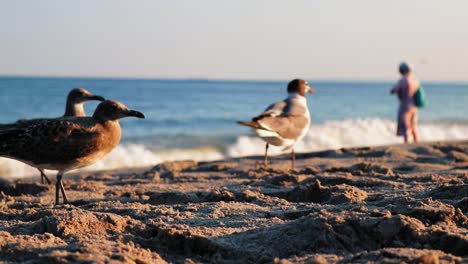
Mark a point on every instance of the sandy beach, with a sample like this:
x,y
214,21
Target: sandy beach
x,y
393,204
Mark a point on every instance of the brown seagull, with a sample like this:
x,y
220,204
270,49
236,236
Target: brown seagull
x,y
285,122
74,107
66,143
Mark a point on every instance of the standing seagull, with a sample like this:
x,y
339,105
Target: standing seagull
x,y
74,107
76,99
286,122
66,143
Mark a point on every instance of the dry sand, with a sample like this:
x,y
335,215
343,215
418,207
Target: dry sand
x,y
386,204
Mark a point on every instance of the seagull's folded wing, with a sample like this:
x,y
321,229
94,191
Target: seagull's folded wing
x,y
47,140
275,109
289,127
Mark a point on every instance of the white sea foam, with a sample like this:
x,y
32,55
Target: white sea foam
x,y
330,135
351,133
123,156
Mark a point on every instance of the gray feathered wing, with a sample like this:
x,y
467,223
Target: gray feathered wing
x,y
287,118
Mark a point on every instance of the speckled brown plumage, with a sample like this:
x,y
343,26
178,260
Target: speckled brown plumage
x,y
74,107
62,143
65,143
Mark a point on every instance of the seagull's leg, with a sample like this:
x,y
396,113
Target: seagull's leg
x,y
265,161
58,188
65,200
44,176
293,158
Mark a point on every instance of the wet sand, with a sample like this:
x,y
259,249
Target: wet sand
x,y
388,204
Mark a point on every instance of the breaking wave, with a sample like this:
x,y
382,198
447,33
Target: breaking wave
x,y
352,133
123,156
329,135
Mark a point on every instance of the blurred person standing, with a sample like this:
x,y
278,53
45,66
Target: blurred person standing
x,y
405,89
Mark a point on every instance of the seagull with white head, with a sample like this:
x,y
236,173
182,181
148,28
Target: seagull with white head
x,y
285,122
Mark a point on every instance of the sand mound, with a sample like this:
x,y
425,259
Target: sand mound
x,y
316,193
385,204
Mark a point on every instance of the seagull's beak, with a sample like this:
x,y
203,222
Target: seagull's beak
x,y
310,90
95,97
135,114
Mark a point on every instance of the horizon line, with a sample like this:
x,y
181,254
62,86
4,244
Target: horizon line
x,y
207,79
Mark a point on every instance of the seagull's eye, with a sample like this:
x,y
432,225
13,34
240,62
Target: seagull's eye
x,y
114,107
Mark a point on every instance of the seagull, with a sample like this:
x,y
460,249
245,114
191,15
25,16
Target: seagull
x,y
285,122
65,143
74,107
76,99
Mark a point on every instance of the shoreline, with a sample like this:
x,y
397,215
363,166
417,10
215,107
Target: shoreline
x,y
389,203
274,155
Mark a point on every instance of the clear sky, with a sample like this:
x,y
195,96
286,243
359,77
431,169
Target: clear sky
x,y
237,39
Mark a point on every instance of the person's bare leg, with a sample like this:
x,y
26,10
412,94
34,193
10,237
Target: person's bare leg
x,y
407,121
415,135
265,161
414,123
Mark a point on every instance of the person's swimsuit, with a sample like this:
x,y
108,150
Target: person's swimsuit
x,y
407,112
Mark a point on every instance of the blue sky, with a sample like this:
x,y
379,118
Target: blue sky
x,y
242,39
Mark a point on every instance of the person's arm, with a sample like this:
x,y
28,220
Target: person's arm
x,y
401,84
395,88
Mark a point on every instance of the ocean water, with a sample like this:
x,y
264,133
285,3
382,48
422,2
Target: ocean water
x,y
196,119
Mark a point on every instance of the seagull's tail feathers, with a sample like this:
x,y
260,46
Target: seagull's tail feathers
x,y
251,124
8,137
17,124
5,126
9,133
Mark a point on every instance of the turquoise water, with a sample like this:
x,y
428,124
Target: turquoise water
x,y
197,118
